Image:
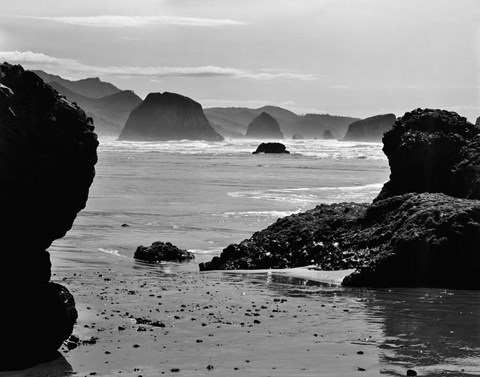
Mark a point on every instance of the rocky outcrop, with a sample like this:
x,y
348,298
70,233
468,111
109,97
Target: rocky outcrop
x,y
327,135
168,116
271,148
433,151
477,122
162,252
47,158
405,238
297,137
370,129
264,126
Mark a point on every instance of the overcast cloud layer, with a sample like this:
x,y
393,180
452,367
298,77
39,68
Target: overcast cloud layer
x,y
348,57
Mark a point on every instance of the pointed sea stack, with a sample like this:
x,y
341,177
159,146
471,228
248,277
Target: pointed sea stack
x,y
48,153
168,116
264,126
370,129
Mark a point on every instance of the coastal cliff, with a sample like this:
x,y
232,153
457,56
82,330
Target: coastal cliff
x,y
406,237
168,116
48,153
370,129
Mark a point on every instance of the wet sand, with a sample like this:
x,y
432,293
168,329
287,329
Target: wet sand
x,y
139,320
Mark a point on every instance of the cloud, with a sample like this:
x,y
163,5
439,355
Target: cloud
x,y
205,71
111,21
29,57
33,60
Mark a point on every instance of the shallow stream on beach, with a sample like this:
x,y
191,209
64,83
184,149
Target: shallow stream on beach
x,y
202,197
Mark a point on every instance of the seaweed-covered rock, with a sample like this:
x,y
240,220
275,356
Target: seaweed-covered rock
x,y
408,240
408,236
47,158
432,151
271,148
312,237
162,252
420,240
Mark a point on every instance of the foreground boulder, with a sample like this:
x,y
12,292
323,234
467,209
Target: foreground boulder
x,y
404,238
271,148
162,252
370,129
409,240
168,116
264,126
433,151
48,153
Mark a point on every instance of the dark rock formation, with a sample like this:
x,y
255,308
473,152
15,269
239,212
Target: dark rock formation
x,y
162,252
433,151
297,137
420,240
327,135
168,116
402,239
271,148
264,126
477,122
47,158
409,240
370,129
91,87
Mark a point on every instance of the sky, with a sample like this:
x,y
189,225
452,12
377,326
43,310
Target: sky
x,y
343,57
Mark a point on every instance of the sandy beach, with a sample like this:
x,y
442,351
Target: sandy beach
x,y
148,322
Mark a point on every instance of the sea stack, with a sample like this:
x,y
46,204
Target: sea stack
x,y
264,126
370,129
48,153
327,135
168,116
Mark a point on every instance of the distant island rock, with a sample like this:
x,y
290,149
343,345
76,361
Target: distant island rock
x,y
327,135
162,252
271,148
297,137
168,116
264,126
48,152
414,234
370,129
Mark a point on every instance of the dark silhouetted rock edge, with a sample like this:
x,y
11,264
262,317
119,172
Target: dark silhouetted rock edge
x,y
427,238
271,148
47,158
162,252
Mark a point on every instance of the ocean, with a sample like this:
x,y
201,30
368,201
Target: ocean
x,y
203,196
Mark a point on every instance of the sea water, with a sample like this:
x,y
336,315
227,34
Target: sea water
x,y
202,196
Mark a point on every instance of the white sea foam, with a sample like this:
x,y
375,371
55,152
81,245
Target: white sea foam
x,y
272,214
111,252
320,149
307,195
